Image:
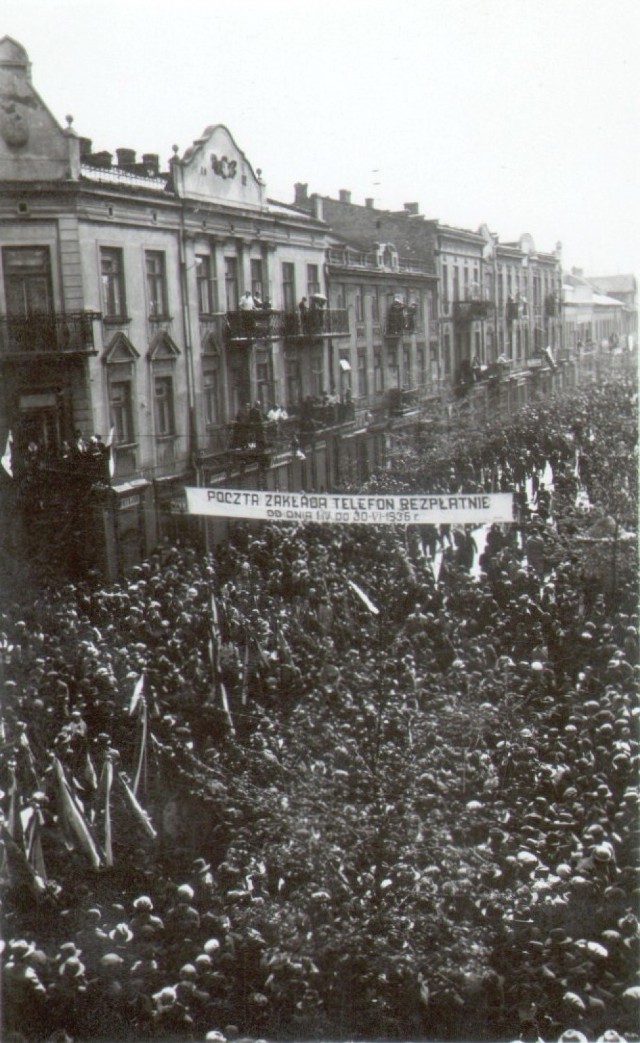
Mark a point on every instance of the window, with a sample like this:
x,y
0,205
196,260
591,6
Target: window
x,y
256,277
362,373
313,282
422,365
231,283
378,372
340,298
121,411
456,283
264,379
317,373
392,366
406,367
358,304
445,288
27,280
375,306
163,400
112,276
478,345
447,353
206,284
288,286
211,394
292,381
156,284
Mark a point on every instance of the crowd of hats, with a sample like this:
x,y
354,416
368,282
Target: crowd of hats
x,y
421,823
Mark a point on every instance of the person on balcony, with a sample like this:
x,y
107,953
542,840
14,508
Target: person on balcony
x,y
247,307
240,437
303,308
317,313
255,427
476,367
396,315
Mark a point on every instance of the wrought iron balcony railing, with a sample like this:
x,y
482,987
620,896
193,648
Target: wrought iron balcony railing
x,y
254,324
400,321
47,334
319,322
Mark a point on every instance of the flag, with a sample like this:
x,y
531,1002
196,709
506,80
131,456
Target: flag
x,y
6,460
141,766
214,648
137,694
34,846
245,674
366,600
106,782
110,446
17,864
74,819
138,810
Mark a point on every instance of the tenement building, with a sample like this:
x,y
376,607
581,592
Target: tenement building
x,y
150,322
381,270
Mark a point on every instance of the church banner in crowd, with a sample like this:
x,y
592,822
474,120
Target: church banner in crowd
x,y
352,508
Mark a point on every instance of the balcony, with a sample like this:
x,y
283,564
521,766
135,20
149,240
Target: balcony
x,y
475,310
257,324
321,322
399,321
516,309
31,336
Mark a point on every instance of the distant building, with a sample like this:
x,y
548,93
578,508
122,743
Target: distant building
x,y
595,320
623,288
381,269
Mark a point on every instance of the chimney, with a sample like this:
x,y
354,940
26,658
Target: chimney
x,y
369,203
85,147
344,196
126,157
151,162
302,194
316,202
101,159
412,208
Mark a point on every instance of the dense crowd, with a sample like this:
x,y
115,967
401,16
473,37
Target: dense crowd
x,y
241,799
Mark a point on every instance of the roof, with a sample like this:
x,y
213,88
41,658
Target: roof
x,y
116,176
614,283
365,229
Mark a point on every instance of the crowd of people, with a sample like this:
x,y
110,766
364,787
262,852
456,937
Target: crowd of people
x,y
313,786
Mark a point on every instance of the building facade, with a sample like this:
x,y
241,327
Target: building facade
x,y
164,324
122,293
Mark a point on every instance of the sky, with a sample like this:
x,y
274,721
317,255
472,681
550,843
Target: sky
x,y
521,114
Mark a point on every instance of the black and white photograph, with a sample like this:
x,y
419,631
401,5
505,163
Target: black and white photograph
x,y
319,631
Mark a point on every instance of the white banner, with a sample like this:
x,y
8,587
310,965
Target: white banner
x,y
353,508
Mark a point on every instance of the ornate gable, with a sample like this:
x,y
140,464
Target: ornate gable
x,y
215,169
210,345
162,348
33,145
119,350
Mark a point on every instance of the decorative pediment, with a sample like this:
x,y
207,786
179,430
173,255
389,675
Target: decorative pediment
x,y
119,349
210,345
162,348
